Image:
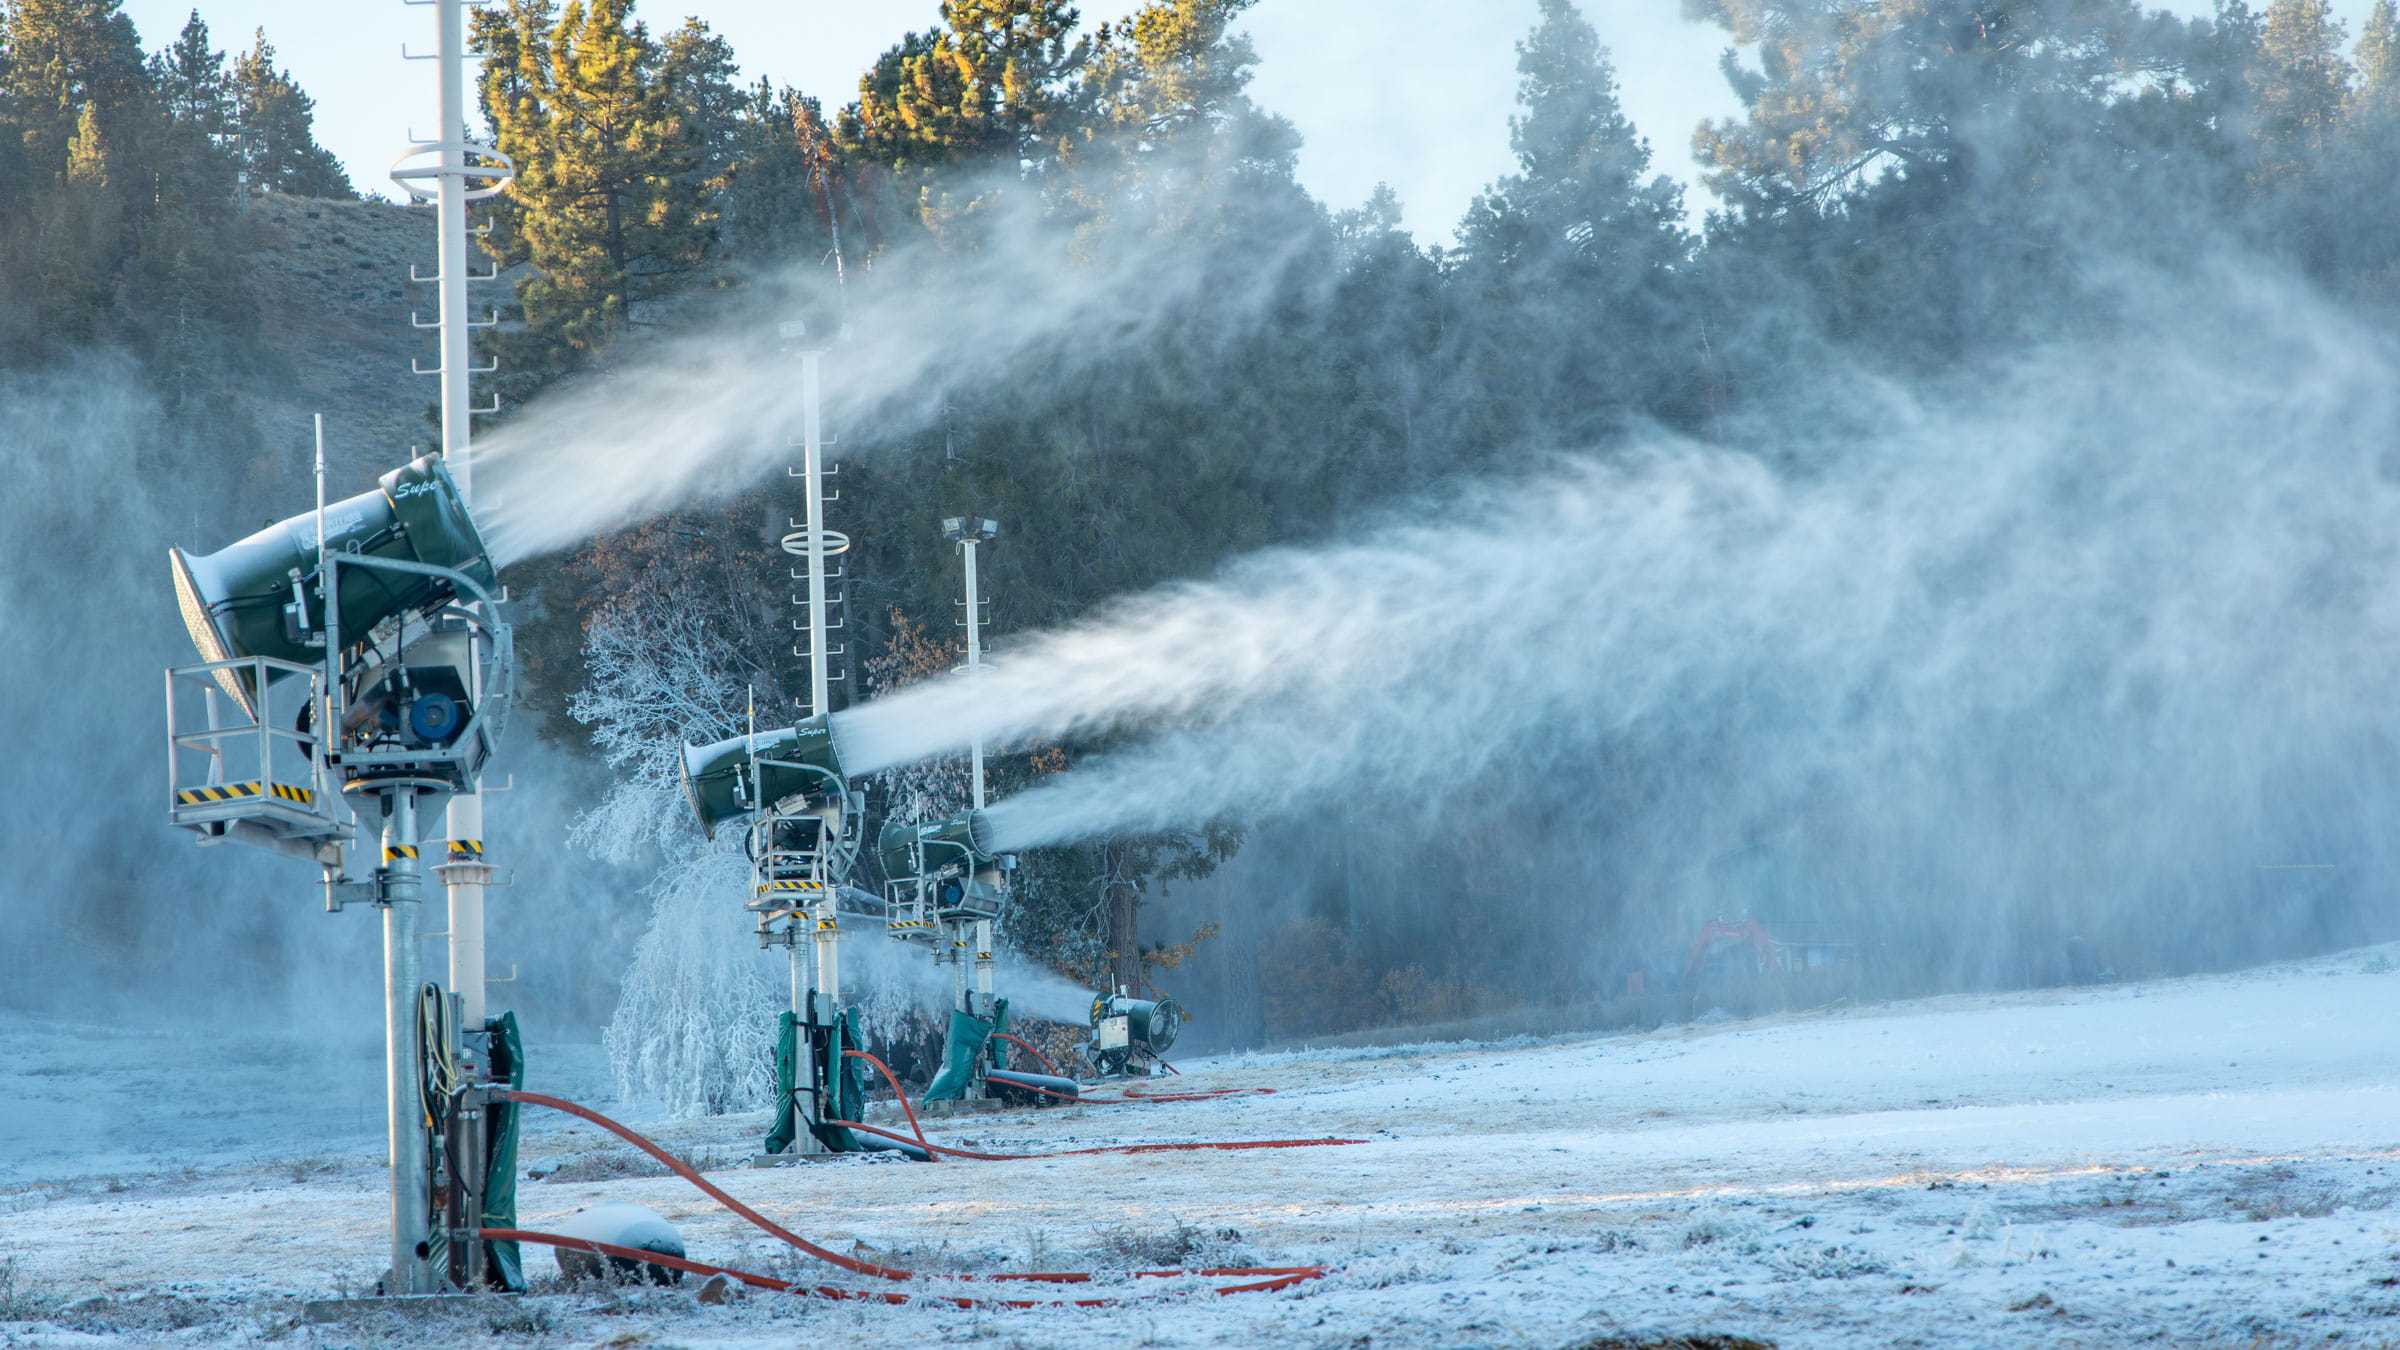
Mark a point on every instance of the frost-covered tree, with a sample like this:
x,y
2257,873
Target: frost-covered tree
x,y
693,1031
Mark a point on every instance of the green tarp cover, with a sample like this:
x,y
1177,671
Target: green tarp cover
x,y
507,1263
787,1076
845,1081
966,1039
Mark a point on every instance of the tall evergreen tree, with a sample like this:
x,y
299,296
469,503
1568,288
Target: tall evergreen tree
x,y
1582,217
278,130
612,204
70,60
2301,82
191,80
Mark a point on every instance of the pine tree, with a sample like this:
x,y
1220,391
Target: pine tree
x,y
193,87
953,113
1581,190
69,59
2301,82
612,205
1581,218
698,69
2377,91
278,130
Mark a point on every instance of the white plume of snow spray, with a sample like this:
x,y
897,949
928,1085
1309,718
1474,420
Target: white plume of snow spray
x,y
689,418
2122,620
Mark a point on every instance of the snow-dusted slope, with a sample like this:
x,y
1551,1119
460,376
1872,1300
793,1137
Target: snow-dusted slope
x,y
2204,1161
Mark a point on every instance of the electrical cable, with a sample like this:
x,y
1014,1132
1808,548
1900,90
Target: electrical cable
x,y
1275,1277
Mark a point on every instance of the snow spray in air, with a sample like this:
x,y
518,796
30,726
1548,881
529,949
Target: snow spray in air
x,y
705,414
2112,632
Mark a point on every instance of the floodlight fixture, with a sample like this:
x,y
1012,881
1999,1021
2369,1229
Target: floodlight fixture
x,y
969,529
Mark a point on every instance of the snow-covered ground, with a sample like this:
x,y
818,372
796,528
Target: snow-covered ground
x,y
2209,1161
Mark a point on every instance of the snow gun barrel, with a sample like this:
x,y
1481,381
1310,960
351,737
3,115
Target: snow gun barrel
x,y
936,846
741,774
263,595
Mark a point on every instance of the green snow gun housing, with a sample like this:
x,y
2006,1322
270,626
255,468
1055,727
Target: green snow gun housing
x,y
263,596
951,864
721,780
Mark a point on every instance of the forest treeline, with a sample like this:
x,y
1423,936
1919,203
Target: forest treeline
x,y
121,179
1914,189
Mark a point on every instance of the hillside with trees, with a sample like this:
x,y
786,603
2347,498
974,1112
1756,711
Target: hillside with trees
x,y
1913,192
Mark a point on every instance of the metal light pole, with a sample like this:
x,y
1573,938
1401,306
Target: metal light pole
x,y
456,182
816,545
444,160
967,532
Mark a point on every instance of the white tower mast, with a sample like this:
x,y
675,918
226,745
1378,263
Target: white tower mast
x,y
455,183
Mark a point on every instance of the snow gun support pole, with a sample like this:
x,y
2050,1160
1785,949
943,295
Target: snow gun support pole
x,y
800,832
942,881
459,171
362,644
810,926
968,532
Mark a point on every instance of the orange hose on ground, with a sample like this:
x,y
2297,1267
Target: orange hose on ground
x,y
1028,1048
682,1169
935,1149
1281,1279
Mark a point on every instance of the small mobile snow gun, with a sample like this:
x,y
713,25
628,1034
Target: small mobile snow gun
x,y
1123,1028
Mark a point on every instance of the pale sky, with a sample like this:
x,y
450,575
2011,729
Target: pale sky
x,y
1416,93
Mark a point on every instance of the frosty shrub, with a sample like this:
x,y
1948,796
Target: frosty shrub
x,y
1821,1261
694,1031
657,675
1179,1245
20,1299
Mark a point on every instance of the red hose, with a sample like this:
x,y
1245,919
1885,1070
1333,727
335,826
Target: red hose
x,y
713,1192
1279,1279
934,1149
1028,1048
1280,1276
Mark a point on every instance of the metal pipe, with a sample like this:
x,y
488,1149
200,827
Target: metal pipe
x,y
974,668
812,471
403,1058
983,961
464,880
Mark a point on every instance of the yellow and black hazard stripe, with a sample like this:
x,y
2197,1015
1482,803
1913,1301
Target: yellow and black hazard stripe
x,y
790,886
465,850
908,923
392,851
828,924
226,792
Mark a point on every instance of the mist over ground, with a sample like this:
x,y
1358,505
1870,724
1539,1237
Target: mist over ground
x,y
1972,541
109,914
